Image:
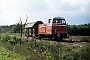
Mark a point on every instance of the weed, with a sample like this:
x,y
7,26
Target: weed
x,y
44,50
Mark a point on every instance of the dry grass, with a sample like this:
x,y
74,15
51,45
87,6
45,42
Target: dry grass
x,y
45,50
80,37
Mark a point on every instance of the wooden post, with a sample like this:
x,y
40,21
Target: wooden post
x,y
21,31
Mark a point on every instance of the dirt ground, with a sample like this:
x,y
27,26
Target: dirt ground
x,y
78,37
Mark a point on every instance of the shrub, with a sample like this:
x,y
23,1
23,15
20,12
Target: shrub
x,y
6,38
48,50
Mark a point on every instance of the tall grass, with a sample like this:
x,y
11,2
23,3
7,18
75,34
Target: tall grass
x,y
45,50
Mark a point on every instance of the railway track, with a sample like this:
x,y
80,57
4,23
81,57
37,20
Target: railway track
x,y
70,39
75,39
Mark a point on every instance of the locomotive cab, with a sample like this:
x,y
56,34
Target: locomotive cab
x,y
59,28
59,21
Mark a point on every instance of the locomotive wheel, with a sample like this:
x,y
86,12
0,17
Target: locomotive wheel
x,y
59,39
40,37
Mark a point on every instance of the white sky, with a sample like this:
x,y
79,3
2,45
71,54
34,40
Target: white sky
x,y
74,11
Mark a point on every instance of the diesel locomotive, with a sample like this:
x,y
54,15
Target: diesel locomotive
x,y
54,29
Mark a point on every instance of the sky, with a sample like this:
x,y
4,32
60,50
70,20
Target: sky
x,y
74,11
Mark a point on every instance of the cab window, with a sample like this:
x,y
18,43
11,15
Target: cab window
x,y
59,21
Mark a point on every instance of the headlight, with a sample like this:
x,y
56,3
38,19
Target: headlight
x,y
68,35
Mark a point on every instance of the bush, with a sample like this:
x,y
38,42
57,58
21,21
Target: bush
x,y
6,38
48,50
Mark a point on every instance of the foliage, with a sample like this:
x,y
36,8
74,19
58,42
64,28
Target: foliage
x,y
5,38
47,50
4,29
12,39
83,30
7,55
34,49
15,28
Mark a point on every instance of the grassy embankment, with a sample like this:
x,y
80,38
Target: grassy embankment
x,y
7,55
45,50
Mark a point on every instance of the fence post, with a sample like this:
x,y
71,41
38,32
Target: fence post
x,y
21,31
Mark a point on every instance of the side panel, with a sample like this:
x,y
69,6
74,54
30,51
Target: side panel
x,y
45,29
42,29
49,29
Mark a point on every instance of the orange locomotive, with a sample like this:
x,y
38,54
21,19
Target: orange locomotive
x,y
55,28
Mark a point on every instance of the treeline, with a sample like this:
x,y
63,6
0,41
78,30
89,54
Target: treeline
x,y
4,29
15,28
83,29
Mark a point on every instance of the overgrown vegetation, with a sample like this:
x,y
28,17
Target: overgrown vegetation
x,y
45,50
15,28
83,29
7,55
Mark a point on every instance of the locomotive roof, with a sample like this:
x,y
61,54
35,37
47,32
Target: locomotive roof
x,y
58,18
31,24
28,25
